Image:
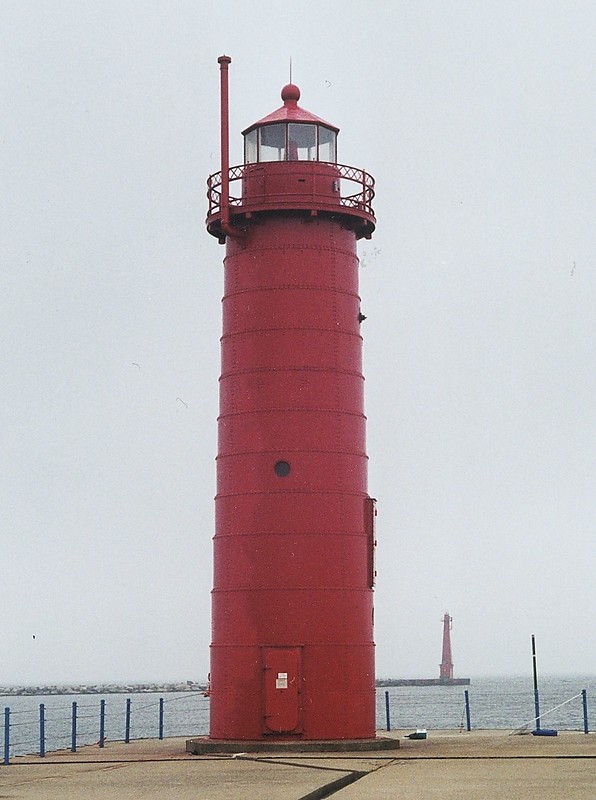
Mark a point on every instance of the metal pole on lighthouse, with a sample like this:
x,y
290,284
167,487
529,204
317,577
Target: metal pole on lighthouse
x,y
224,61
292,653
227,229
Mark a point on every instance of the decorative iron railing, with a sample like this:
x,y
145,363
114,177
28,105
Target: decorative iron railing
x,y
361,200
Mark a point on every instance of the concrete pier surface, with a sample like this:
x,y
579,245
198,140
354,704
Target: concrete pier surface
x,y
448,765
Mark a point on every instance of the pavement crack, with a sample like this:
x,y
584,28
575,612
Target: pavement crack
x,y
335,786
307,765
345,778
331,788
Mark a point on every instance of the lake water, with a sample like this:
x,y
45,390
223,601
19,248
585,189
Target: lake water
x,y
497,703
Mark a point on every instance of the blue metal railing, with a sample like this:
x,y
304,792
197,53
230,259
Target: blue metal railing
x,y
395,707
68,727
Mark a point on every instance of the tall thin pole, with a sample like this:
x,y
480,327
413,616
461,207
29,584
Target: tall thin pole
x,y
223,62
102,722
7,735
536,699
73,732
387,712
127,721
42,730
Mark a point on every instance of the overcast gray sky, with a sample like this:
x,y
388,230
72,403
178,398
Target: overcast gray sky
x,y
478,122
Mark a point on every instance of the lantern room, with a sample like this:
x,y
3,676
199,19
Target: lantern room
x,y
290,134
290,164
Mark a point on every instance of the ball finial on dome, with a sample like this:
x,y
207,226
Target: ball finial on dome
x,y
290,93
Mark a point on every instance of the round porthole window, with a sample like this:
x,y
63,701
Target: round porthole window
x,y
282,469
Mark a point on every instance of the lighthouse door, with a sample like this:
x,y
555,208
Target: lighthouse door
x,y
281,675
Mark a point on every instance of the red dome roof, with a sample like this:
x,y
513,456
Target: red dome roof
x,y
290,112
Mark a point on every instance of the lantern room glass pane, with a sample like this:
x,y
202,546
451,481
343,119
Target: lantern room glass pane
x,y
250,147
272,143
302,142
327,145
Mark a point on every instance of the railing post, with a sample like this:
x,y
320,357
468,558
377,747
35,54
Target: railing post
x,y
42,730
73,733
364,204
161,717
387,714
585,708
127,723
6,735
102,722
467,699
536,696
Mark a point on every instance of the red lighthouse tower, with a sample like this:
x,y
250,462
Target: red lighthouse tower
x,y
292,654
446,667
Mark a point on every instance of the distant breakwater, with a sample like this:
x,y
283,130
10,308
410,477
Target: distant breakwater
x,y
184,686
101,688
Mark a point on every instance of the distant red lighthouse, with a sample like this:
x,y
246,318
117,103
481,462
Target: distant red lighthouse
x,y
292,654
446,667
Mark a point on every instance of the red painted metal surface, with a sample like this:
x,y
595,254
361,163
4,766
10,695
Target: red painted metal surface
x,y
292,605
282,681
314,187
290,111
446,668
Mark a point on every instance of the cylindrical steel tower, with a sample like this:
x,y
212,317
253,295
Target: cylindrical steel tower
x,y
292,652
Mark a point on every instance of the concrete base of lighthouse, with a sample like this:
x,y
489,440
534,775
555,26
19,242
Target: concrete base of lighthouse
x,y
203,745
